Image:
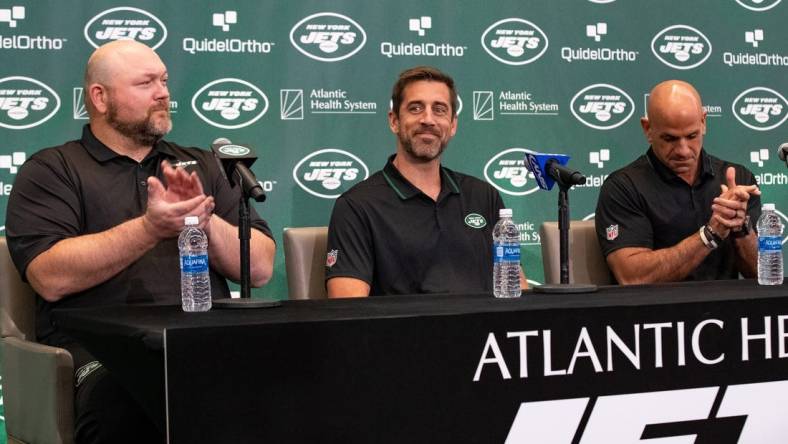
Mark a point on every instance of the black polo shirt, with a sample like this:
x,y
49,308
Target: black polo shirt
x,y
645,204
386,232
83,187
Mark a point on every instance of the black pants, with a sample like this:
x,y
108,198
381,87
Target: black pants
x,y
104,412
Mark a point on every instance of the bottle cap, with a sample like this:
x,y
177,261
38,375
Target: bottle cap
x,y
768,207
191,220
505,212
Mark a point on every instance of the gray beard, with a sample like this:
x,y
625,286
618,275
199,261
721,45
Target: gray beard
x,y
143,132
407,145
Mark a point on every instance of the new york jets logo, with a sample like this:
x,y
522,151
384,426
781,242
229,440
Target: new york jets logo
x,y
328,37
514,41
329,172
758,5
26,102
234,150
475,220
230,103
125,23
681,47
760,108
602,106
506,172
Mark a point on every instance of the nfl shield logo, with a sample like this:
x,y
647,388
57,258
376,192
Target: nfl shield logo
x,y
612,232
331,258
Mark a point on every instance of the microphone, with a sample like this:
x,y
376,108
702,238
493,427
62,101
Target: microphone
x,y
551,168
782,152
234,161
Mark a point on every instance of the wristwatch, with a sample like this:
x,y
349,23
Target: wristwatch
x,y
742,231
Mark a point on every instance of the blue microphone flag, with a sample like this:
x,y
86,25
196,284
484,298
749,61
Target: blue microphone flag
x,y
536,163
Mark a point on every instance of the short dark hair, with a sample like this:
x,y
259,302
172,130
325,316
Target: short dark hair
x,y
422,73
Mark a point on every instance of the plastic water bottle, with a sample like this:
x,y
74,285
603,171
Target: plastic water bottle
x,y
506,257
770,247
195,278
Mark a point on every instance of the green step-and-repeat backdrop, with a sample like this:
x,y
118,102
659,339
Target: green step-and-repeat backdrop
x,y
307,84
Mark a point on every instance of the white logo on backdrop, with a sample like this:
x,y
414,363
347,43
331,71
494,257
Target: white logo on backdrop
x,y
12,162
419,25
599,158
510,103
506,171
421,48
596,31
514,41
483,105
78,104
291,104
125,23
758,5
228,44
230,103
329,170
225,19
760,108
681,47
602,106
11,15
759,156
23,99
328,37
753,37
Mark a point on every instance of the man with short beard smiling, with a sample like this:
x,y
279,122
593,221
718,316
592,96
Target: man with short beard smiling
x,y
95,222
415,226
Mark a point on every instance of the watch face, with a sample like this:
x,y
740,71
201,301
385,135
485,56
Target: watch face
x,y
744,230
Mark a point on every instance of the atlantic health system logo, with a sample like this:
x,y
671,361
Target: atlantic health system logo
x,y
328,37
125,23
514,41
510,103
230,103
26,102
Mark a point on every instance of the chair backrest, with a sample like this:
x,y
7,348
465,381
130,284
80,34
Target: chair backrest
x,y
17,300
587,265
305,262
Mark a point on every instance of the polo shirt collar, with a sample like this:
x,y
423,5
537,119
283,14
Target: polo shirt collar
x,y
406,190
103,153
668,175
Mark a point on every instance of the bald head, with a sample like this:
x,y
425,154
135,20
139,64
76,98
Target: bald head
x,y
673,96
111,60
675,125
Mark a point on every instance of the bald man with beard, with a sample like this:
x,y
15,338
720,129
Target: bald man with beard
x,y
95,222
677,212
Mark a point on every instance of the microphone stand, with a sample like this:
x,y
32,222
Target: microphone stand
x,y
245,236
563,241
248,191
